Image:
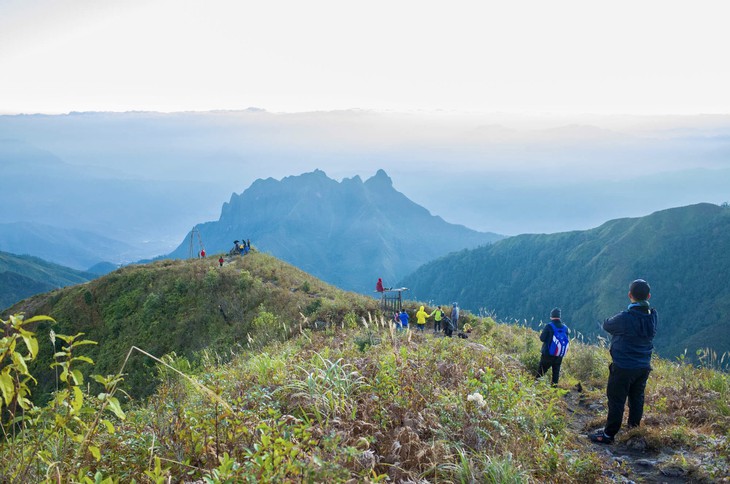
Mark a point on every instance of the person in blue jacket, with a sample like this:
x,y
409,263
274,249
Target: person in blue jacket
x,y
547,360
403,319
632,333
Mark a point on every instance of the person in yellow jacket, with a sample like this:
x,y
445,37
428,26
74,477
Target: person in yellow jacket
x,y
421,316
437,314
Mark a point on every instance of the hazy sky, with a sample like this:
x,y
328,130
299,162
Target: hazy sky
x,y
623,56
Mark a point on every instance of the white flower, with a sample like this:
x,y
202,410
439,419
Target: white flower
x,y
477,398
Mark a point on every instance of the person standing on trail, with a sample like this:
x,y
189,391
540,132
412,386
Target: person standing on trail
x,y
403,319
220,261
632,333
421,316
202,254
455,316
555,340
438,315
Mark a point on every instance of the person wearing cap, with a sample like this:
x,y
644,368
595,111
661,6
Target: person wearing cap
x,y
632,333
548,360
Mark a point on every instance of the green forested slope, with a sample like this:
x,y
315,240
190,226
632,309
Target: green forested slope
x,y
22,276
684,253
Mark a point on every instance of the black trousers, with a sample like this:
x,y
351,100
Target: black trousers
x,y
437,325
625,384
547,362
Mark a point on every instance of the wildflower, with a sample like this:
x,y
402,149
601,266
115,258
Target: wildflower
x,y
477,398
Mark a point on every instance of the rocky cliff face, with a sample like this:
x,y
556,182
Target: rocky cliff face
x,y
347,233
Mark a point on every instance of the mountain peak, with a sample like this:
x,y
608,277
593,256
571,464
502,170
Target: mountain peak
x,y
380,179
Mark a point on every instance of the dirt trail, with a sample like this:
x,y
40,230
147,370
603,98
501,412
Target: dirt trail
x,y
629,461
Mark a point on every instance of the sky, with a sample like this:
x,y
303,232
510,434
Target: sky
x,y
522,56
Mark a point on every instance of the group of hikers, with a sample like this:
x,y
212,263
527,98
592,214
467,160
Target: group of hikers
x,y
441,322
240,247
632,333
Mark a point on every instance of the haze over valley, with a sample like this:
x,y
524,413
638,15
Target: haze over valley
x,y
144,179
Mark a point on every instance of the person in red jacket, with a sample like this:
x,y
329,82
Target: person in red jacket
x,y
379,285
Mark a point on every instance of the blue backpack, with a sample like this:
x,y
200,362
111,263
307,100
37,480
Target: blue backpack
x,y
559,344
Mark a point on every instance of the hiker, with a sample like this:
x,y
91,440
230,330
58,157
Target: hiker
x,y
220,261
202,254
455,316
421,316
403,319
448,326
632,332
379,285
437,315
555,341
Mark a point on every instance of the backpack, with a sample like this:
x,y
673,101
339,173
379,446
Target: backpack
x,y
559,344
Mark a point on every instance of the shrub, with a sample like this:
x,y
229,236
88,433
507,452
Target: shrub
x,y
587,363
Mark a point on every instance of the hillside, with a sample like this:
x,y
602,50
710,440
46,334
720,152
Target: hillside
x,y
195,304
22,276
684,253
69,247
285,399
346,233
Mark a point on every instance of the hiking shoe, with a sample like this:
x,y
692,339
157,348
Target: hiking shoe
x,y
601,438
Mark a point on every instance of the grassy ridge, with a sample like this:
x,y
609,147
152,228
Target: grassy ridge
x,y
184,307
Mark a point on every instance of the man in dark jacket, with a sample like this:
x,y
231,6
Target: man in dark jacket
x,y
632,332
548,360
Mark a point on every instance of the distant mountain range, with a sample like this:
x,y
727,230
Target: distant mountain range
x,y
149,177
684,253
347,233
25,276
86,214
